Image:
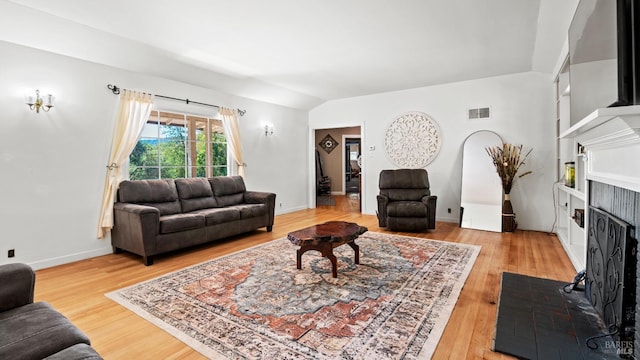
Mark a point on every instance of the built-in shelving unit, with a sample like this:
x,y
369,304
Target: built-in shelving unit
x,y
567,199
570,233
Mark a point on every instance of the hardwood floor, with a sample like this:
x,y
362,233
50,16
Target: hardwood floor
x,y
77,289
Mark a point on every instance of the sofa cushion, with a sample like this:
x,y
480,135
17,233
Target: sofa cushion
x,y
180,222
228,190
195,194
251,210
406,209
161,194
35,331
220,215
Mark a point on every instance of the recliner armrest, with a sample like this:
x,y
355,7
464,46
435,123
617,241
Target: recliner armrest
x,y
18,283
430,201
383,201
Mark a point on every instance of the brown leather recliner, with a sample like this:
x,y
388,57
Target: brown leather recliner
x,y
405,202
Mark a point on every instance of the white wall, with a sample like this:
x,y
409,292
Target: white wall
x,y
522,111
52,165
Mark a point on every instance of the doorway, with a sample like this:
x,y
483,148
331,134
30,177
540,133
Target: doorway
x,y
352,163
345,182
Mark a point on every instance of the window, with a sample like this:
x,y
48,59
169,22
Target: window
x,y
176,145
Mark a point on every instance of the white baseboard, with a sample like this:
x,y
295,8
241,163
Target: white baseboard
x,y
289,210
42,264
448,219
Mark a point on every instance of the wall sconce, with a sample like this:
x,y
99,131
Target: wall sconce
x,y
268,130
36,102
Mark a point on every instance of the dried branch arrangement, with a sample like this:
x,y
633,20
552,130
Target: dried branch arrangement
x,y
507,160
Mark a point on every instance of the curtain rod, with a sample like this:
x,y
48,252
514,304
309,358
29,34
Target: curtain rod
x,y
116,90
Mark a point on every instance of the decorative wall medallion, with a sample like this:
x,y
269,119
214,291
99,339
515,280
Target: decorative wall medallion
x,y
328,143
413,140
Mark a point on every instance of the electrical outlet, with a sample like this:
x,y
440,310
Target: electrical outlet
x,y
449,210
11,253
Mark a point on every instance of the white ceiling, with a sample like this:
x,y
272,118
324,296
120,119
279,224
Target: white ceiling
x,y
331,49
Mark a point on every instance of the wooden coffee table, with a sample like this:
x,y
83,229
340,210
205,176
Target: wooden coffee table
x,y
325,237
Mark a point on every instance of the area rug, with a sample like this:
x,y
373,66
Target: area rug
x,y
255,304
325,200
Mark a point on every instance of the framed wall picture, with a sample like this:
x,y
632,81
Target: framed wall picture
x,y
328,143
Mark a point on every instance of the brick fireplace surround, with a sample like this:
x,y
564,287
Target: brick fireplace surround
x,y
611,139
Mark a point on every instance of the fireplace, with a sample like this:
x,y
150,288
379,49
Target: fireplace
x,y
610,138
612,261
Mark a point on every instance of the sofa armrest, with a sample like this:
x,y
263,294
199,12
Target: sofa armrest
x,y
430,201
383,200
135,228
18,283
267,198
136,209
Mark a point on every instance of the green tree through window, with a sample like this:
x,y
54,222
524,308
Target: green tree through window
x,y
177,145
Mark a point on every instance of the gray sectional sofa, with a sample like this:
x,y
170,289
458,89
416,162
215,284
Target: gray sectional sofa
x,y
35,330
152,217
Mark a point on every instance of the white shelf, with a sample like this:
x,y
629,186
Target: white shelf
x,y
572,191
573,237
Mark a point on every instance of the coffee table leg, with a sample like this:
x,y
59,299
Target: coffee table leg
x,y
356,250
299,259
334,264
326,249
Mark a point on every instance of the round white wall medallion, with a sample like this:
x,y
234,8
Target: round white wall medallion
x,y
413,140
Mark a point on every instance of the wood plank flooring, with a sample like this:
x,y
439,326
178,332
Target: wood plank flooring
x,y
77,289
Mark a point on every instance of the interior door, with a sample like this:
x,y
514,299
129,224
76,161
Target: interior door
x,y
352,165
481,195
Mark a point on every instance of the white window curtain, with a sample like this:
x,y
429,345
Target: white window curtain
x,y
133,114
232,132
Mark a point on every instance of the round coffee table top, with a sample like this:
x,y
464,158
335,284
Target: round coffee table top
x,y
332,231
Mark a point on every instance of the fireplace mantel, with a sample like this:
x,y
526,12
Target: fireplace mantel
x,y
611,141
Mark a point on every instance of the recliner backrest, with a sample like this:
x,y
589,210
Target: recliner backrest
x,y
404,184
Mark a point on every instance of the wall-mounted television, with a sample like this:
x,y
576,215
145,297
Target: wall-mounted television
x,y
604,56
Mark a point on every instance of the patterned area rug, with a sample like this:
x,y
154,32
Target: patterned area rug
x,y
255,304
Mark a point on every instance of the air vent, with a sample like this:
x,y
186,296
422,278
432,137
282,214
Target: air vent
x,y
479,113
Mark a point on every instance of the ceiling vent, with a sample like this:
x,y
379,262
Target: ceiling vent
x,y
480,113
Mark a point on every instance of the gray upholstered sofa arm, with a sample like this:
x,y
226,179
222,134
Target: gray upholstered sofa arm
x,y
383,201
136,209
137,227
267,198
18,282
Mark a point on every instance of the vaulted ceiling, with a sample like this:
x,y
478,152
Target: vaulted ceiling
x,y
311,51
